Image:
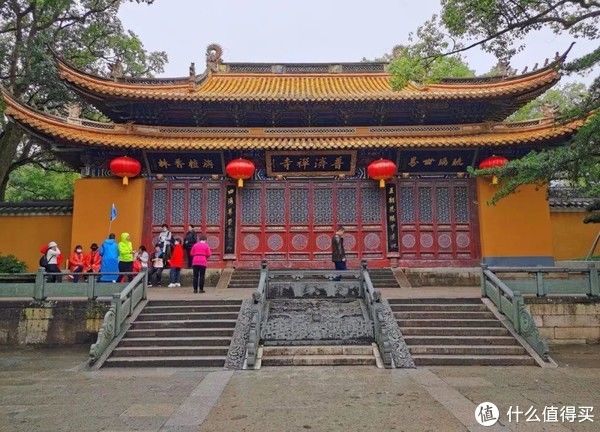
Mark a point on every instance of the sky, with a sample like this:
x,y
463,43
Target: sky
x,y
303,31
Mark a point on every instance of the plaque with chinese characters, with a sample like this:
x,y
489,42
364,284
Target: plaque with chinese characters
x,y
435,160
186,163
312,164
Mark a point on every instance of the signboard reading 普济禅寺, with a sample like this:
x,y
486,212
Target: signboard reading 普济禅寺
x,y
313,164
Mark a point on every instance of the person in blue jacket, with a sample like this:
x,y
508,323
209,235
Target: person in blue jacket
x,y
110,259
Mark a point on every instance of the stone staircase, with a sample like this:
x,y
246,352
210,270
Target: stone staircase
x,y
319,355
383,278
244,278
456,332
178,333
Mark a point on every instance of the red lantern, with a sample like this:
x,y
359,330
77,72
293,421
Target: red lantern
x,y
240,169
382,170
493,162
125,167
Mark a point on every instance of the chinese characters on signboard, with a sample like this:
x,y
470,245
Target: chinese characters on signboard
x,y
435,160
314,164
186,163
392,225
230,220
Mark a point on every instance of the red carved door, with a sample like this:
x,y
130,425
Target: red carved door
x,y
438,222
181,203
290,224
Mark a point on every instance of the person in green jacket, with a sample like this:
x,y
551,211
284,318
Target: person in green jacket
x,y
126,255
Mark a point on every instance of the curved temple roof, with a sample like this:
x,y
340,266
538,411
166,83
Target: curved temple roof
x,y
230,86
109,135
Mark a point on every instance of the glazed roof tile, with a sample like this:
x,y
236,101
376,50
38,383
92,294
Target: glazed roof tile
x,y
88,133
37,208
303,87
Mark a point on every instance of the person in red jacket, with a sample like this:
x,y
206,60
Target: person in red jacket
x,y
176,263
92,260
76,262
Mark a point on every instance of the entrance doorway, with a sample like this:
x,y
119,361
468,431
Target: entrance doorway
x,y
290,223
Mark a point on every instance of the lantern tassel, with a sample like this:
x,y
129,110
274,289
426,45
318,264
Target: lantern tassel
x,y
381,183
495,179
125,181
240,182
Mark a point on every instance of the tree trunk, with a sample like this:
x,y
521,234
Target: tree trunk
x,y
8,150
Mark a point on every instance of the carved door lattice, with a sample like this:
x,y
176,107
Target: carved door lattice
x,y
181,203
436,220
290,224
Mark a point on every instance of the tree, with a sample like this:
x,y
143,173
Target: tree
x,y
562,100
88,33
32,182
500,27
422,61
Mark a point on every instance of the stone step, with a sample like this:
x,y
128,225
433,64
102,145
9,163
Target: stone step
x,y
213,361
494,350
175,341
436,300
192,308
455,331
180,332
169,351
174,316
449,323
320,360
439,307
329,350
199,302
183,324
459,340
471,360
443,315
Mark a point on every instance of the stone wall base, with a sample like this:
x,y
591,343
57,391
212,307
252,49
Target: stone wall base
x,y
566,320
50,322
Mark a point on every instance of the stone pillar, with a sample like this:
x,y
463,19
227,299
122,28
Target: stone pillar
x,y
92,201
517,231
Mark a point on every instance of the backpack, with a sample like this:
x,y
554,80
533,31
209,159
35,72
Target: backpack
x,y
43,261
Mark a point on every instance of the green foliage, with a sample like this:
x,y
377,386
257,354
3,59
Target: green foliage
x,y
564,99
11,264
31,182
88,34
421,61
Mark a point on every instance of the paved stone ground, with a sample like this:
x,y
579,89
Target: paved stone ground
x,y
46,390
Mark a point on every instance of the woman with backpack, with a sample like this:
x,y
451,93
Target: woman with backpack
x,y
50,261
109,252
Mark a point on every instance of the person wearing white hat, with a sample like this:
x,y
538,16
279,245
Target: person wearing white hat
x,y
52,255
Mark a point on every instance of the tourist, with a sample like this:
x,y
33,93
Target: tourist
x,y
338,254
200,254
141,258
158,264
76,263
125,256
164,239
92,260
52,260
188,242
109,251
176,263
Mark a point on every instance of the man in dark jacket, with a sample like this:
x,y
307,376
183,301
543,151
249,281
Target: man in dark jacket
x,y
338,254
188,243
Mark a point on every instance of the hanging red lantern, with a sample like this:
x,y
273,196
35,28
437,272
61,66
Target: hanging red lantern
x,y
493,162
240,169
382,170
125,167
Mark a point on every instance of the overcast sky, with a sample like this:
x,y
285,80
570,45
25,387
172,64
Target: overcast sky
x,y
301,31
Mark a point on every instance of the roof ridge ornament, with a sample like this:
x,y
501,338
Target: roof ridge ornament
x,y
116,70
213,57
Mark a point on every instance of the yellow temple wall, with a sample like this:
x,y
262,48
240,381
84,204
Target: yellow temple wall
x,y
517,230
572,239
92,202
22,236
